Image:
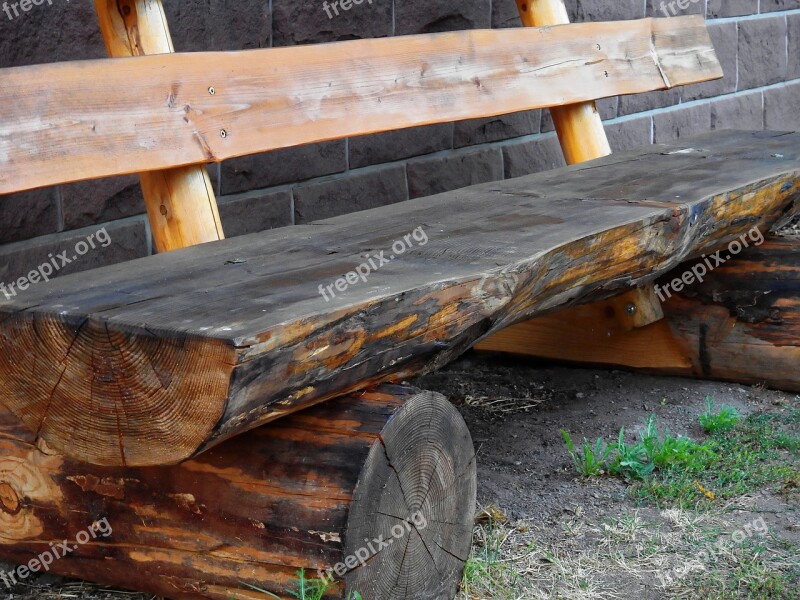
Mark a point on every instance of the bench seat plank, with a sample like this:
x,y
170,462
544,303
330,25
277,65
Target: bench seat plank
x,y
152,361
132,115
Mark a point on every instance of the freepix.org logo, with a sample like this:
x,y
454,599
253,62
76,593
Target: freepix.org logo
x,y
12,9
55,263
362,272
57,551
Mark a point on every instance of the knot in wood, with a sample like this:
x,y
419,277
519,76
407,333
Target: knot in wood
x,y
9,499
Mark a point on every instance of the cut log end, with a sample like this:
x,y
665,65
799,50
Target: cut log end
x,y
411,518
111,398
374,492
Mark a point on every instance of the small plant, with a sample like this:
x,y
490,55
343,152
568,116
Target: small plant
x,y
305,588
630,462
591,460
308,589
638,461
725,419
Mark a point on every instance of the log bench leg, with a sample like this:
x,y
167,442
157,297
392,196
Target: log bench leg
x,y
742,324
381,483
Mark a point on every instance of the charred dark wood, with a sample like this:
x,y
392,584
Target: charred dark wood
x,y
741,323
386,477
155,360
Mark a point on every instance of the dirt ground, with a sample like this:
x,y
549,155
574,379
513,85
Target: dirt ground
x,y
523,466
587,538
584,538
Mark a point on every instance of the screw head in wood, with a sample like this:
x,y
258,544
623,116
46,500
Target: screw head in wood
x,y
212,90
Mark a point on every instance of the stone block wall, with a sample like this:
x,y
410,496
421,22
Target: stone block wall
x,y
758,43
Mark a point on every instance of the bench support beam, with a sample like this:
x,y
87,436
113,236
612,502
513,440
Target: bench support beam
x,y
579,127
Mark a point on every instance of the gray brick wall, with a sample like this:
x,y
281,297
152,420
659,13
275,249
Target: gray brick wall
x,y
758,43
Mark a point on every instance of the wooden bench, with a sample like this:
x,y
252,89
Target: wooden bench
x,y
122,383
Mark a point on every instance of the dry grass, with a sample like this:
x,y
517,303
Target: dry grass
x,y
628,555
77,590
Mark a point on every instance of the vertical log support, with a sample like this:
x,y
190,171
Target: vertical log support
x,y
180,202
582,137
579,126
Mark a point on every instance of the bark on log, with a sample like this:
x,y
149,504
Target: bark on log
x,y
742,323
156,360
392,463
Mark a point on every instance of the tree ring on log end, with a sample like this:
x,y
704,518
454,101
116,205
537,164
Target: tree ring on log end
x,y
109,397
409,529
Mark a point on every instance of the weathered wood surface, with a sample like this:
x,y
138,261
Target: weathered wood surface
x,y
742,323
130,115
180,202
302,493
154,360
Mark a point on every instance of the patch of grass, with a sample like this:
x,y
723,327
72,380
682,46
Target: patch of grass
x,y
739,457
724,419
591,459
760,452
749,571
636,461
488,573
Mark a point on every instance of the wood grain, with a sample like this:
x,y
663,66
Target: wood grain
x,y
111,117
155,360
180,202
302,493
741,324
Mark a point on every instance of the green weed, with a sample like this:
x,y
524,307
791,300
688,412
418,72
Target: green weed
x,y
591,459
725,419
307,589
740,456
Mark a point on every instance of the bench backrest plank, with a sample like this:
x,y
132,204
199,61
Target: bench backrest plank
x,y
112,117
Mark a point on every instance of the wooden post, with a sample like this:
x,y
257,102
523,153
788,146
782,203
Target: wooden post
x,y
180,202
582,137
579,126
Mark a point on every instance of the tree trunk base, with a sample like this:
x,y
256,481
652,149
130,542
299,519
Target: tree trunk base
x,y
374,491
